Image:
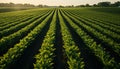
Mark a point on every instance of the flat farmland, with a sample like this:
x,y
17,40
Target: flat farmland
x,y
60,38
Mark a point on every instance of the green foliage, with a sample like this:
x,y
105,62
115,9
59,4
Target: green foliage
x,y
9,41
103,56
44,59
71,50
14,53
97,34
19,30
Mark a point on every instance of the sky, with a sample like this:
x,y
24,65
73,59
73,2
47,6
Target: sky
x,y
56,2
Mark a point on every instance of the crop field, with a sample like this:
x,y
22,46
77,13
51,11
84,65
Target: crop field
x,y
8,9
60,38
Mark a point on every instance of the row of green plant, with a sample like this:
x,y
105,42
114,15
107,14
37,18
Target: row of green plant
x,y
19,26
3,23
9,41
11,17
15,53
45,57
8,25
112,44
97,16
102,24
97,21
72,52
103,16
6,19
114,36
99,52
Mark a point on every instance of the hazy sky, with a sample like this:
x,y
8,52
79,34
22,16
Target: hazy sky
x,y
56,2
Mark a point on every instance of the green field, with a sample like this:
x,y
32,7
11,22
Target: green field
x,y
9,9
60,38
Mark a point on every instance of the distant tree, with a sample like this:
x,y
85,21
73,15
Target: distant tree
x,y
95,5
18,5
70,6
40,6
117,4
15,5
87,5
28,5
104,4
61,6
45,6
1,4
81,5
11,4
100,4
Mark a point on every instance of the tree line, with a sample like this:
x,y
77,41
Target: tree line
x,y
105,4
15,5
100,4
20,5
